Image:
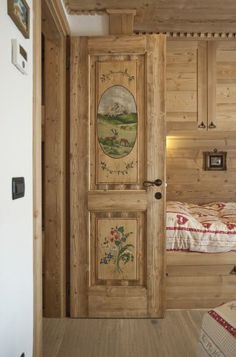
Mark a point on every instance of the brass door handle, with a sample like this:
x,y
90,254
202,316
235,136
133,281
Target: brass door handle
x,y
157,182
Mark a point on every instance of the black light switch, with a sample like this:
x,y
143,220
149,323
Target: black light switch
x,y
18,187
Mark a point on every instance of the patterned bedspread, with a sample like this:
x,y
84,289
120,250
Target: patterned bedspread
x,y
218,332
207,228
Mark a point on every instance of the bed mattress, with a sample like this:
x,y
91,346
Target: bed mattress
x,y
209,228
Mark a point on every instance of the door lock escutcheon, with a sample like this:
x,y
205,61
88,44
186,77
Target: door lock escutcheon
x,y
158,195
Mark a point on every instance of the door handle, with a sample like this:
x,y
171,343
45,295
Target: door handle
x,y
212,125
157,182
202,125
233,271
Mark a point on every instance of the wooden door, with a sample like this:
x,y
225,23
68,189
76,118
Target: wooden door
x,y
117,142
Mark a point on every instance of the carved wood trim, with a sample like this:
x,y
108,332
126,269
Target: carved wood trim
x,y
59,16
82,12
194,35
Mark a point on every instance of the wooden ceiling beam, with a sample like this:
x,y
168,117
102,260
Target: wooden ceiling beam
x,y
164,16
121,22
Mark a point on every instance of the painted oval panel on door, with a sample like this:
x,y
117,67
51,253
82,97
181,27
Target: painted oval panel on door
x,y
117,122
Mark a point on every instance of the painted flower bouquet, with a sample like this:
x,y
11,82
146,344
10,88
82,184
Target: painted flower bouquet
x,y
117,250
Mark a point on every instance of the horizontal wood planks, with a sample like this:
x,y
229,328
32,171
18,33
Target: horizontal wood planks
x,y
195,292
186,179
194,258
113,201
130,44
197,280
172,15
108,302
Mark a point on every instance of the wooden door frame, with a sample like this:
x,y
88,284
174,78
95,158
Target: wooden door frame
x,y
61,21
54,162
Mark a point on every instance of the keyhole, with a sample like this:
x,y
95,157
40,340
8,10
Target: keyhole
x,y
158,195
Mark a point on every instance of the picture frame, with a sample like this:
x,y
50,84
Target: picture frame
x,y
215,160
19,12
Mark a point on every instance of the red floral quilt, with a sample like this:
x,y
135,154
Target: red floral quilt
x,y
207,228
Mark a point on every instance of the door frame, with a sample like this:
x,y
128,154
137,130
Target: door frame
x,y
54,163
60,19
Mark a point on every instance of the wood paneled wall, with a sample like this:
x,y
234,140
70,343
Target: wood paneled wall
x,y
225,83
186,179
181,79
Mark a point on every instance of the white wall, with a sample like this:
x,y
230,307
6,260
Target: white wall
x,y
16,249
87,25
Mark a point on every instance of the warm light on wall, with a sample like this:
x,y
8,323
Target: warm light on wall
x,y
168,142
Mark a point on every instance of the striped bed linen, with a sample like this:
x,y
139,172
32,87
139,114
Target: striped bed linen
x,y
208,228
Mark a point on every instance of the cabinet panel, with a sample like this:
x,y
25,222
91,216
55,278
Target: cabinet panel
x,y
186,71
225,91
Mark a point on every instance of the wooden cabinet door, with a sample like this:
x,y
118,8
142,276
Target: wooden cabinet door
x,y
222,85
117,142
186,80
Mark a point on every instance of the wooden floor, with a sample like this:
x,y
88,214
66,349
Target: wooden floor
x,y
174,336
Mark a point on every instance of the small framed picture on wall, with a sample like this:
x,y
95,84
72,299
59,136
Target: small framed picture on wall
x,y
19,12
215,160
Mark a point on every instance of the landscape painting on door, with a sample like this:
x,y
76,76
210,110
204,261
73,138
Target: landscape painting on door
x,y
117,122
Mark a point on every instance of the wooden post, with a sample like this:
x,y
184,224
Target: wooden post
x,y
37,184
54,190
121,22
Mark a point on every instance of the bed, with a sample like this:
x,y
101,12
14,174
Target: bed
x,y
218,332
209,228
201,254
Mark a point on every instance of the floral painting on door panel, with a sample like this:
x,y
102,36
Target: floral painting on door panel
x,y
116,249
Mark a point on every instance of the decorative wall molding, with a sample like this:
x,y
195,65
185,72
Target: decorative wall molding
x,y
194,35
59,16
170,34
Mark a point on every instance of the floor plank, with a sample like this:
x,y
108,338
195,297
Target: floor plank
x,y
174,336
